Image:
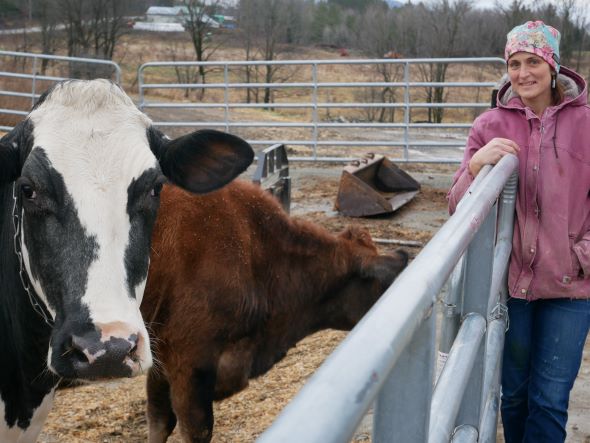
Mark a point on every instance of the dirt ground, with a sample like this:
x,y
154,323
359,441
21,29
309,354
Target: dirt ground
x,y
114,411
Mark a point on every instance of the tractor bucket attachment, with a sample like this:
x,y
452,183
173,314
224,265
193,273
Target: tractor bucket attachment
x,y
372,186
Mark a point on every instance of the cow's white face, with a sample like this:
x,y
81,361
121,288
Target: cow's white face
x,y
89,194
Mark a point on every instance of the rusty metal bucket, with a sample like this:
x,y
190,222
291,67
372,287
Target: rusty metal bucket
x,y
372,186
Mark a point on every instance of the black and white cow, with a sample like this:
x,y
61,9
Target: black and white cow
x,y
79,189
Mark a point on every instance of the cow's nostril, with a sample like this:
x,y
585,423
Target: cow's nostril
x,y
77,350
79,356
133,354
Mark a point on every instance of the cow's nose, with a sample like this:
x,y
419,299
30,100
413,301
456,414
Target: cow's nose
x,y
104,355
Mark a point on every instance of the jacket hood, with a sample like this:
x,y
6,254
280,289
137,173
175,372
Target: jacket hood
x,y
575,90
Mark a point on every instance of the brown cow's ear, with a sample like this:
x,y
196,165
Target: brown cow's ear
x,y
359,235
203,160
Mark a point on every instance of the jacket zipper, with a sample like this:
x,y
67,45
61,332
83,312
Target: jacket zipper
x,y
542,131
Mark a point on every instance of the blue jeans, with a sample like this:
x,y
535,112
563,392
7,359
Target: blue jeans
x,y
542,357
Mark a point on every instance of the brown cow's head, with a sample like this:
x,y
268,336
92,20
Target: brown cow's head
x,y
370,275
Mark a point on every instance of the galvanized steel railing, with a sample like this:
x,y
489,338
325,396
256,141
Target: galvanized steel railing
x,y
390,355
314,86
30,72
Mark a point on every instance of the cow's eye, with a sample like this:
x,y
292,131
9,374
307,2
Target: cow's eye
x,y
28,191
155,192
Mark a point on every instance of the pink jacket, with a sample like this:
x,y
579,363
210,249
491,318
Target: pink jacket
x,y
551,246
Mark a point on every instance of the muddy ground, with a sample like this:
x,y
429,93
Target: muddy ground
x,y
114,411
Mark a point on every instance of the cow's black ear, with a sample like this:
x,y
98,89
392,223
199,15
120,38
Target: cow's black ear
x,y
202,161
9,163
14,146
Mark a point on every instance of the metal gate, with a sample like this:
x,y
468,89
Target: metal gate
x,y
24,76
389,357
322,119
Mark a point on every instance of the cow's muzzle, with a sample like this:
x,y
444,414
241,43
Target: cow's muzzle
x,y
108,351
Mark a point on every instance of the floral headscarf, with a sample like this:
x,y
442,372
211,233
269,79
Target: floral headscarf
x,y
537,38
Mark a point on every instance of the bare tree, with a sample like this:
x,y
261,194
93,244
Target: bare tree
x,y
514,13
265,23
273,26
378,38
248,21
46,12
570,35
581,24
93,27
445,19
179,50
199,23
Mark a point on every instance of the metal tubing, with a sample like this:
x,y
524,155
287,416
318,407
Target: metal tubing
x,y
497,313
320,85
57,57
329,62
13,112
491,383
451,314
449,390
507,204
31,76
334,400
464,434
303,125
338,106
19,94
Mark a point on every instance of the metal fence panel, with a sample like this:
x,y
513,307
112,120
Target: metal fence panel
x,y
328,138
24,76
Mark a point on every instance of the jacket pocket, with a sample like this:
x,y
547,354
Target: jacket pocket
x,y
576,268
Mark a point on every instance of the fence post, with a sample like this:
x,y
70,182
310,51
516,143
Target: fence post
x,y
226,97
314,111
478,276
451,315
34,82
408,389
407,111
140,83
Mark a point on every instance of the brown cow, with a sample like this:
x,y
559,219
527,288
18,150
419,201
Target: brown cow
x,y
233,284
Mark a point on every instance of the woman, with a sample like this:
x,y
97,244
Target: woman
x,y
543,118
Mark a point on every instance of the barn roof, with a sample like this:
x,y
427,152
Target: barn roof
x,y
167,10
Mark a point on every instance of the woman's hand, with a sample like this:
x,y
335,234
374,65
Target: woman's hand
x,y
491,154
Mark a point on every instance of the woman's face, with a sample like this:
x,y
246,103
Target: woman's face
x,y
530,76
